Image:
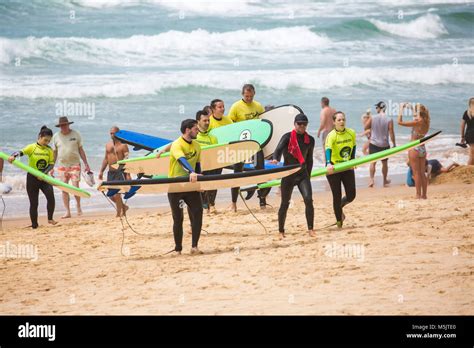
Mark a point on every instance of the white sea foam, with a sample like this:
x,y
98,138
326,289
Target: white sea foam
x,y
167,46
133,84
429,26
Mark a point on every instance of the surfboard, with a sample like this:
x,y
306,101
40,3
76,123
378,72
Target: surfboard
x,y
49,179
140,140
340,167
212,157
205,182
258,130
282,118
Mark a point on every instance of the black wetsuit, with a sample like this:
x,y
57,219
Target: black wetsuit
x,y
33,187
469,134
301,178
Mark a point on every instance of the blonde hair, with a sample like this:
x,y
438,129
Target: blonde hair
x,y
424,113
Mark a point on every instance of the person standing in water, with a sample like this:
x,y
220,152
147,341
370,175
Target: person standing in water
x,y
40,157
296,147
115,151
340,147
326,123
417,156
68,152
185,158
467,130
381,127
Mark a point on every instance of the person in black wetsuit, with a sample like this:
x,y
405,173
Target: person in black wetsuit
x,y
297,148
467,130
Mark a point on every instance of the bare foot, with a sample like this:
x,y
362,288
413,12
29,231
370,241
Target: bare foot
x,y
233,207
387,182
79,211
371,183
424,197
212,209
124,209
282,236
66,216
312,233
196,251
52,222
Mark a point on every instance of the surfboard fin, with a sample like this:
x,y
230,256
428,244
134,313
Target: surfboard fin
x,y
133,190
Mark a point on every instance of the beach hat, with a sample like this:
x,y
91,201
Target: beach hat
x,y
63,120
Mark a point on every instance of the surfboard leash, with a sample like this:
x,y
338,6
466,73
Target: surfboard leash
x,y
243,200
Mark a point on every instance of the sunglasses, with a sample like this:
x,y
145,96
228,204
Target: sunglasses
x,y
302,123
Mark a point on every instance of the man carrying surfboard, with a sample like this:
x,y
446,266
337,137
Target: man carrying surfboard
x,y
242,110
40,157
340,147
68,152
296,147
204,138
185,157
114,152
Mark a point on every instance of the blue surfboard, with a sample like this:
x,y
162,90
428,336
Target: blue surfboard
x,y
141,141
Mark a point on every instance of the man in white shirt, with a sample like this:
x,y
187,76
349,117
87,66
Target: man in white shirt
x,y
68,152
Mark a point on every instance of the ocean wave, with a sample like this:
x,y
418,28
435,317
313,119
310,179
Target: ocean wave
x,y
167,46
429,26
134,84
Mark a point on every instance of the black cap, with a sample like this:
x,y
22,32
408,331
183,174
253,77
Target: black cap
x,y
301,118
381,105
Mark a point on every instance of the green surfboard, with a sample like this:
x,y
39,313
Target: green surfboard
x,y
340,167
49,179
258,130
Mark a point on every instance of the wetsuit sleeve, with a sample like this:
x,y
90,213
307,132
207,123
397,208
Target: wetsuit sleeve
x,y
186,165
328,156
282,145
309,158
198,168
353,154
49,168
328,147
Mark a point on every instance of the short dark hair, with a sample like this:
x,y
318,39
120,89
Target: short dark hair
x,y
45,132
325,100
201,113
248,86
214,103
187,124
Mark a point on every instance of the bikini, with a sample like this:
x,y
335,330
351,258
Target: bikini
x,y
420,149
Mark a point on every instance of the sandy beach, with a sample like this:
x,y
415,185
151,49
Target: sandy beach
x,y
395,255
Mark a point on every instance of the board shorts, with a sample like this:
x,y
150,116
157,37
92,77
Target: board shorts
x,y
374,149
115,175
72,173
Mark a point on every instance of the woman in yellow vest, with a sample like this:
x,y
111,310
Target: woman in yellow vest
x,y
40,157
340,147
